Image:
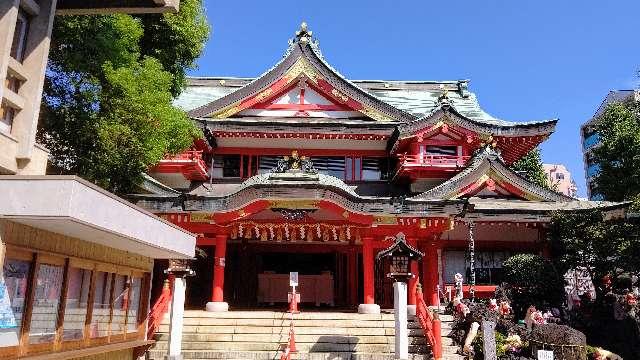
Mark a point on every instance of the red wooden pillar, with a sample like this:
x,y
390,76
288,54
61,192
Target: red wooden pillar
x,y
217,295
369,305
411,285
367,261
430,273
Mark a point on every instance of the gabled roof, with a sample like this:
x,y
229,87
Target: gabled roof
x,y
494,127
487,169
303,58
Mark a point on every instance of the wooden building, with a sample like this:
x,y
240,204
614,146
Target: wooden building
x,y
304,170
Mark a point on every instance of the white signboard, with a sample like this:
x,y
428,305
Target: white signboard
x,y
293,278
545,355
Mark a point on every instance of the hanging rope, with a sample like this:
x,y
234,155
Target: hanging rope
x,y
472,262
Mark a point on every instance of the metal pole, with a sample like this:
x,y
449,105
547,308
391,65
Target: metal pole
x,y
400,310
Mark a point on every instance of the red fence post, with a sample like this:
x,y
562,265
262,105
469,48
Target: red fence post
x,y
437,335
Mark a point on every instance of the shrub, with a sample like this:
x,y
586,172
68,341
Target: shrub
x,y
567,343
532,280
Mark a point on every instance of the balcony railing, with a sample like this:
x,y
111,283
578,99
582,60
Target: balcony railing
x,y
433,160
187,155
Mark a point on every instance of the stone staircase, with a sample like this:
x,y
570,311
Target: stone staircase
x,y
449,350
260,335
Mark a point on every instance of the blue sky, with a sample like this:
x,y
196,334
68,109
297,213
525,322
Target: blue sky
x,y
527,60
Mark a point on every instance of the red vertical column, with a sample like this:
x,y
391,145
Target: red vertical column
x,y
218,268
430,273
368,270
411,285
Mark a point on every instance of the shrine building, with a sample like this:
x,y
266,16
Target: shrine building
x,y
304,170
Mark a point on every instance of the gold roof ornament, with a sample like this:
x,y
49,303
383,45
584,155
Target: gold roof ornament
x,y
443,99
304,34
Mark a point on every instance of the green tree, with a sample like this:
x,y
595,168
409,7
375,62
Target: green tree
x,y
618,154
107,111
531,166
532,280
599,243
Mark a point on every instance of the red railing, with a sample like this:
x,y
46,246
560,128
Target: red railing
x,y
433,160
159,309
187,155
430,324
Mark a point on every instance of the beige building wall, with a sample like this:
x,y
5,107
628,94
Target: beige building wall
x,y
559,178
25,29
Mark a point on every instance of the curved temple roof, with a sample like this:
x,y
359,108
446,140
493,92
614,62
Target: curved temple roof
x,y
487,164
408,103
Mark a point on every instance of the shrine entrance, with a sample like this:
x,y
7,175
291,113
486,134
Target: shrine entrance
x,y
257,276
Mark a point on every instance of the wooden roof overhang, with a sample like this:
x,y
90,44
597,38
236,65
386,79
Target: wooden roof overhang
x,y
284,133
383,214
302,62
532,212
513,139
86,7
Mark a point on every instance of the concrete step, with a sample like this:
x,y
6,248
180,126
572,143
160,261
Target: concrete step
x,y
249,355
257,330
417,339
258,335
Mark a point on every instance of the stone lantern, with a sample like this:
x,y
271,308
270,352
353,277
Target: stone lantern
x,y
400,255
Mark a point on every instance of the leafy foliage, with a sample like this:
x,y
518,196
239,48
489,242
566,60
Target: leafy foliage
x,y
107,113
532,280
601,246
531,166
619,152
604,247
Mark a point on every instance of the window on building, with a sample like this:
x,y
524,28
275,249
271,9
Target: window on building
x,y
488,265
14,288
439,150
226,166
7,115
135,286
120,302
593,170
116,308
20,35
267,163
559,176
372,168
330,165
590,140
75,311
101,305
13,83
44,316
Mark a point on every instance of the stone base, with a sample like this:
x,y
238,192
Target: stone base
x,y
369,309
411,310
216,306
173,357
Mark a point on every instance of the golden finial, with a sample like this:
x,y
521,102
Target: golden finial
x,y
304,34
